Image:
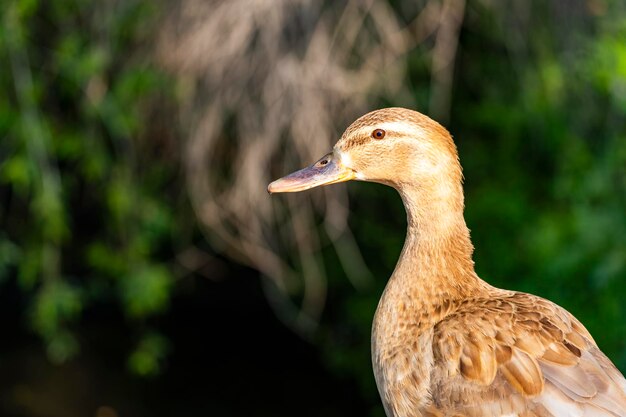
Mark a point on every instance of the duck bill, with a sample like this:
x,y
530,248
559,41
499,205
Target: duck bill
x,y
328,170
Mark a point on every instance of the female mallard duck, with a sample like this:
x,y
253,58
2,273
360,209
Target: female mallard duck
x,y
444,342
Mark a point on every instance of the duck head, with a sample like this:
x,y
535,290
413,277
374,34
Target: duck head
x,y
397,147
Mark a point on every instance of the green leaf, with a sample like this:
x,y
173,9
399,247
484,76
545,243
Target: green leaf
x,y
120,196
146,290
30,264
15,171
56,303
147,358
106,260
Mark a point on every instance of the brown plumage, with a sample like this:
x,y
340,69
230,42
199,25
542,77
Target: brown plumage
x,y
444,342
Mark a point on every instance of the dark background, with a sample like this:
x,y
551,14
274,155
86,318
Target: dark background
x,y
144,271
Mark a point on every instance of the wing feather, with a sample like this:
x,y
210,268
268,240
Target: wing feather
x,y
520,355
523,373
478,362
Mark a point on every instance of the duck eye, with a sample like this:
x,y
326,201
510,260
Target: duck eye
x,y
378,134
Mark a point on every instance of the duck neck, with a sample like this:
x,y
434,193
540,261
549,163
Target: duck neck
x,y
435,266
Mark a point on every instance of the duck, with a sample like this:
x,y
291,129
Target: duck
x,y
444,342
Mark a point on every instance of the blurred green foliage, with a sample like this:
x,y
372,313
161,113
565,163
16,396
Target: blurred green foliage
x,y
86,212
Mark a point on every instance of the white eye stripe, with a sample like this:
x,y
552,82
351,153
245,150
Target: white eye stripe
x,y
401,128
